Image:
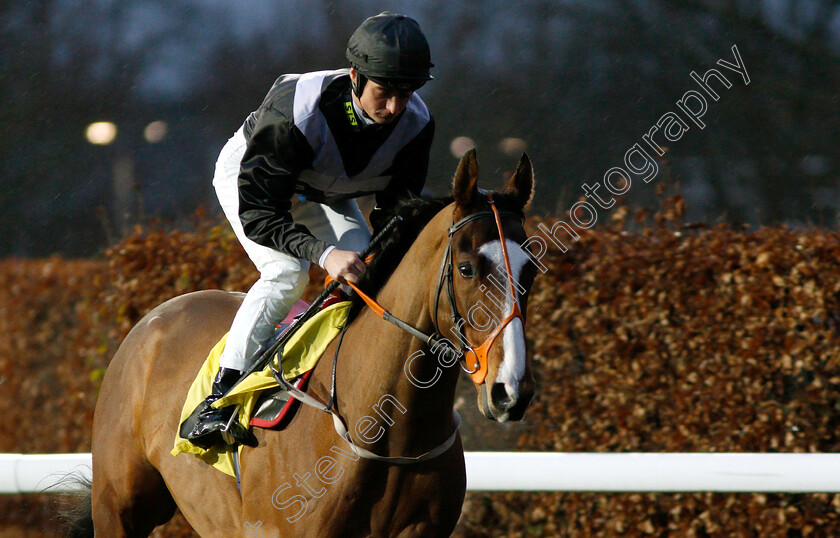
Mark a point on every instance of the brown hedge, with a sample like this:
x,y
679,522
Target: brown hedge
x,y
646,336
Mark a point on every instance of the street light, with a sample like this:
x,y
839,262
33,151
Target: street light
x,y
460,145
155,131
126,204
101,133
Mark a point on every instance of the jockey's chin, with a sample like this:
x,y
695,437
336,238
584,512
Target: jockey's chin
x,y
384,117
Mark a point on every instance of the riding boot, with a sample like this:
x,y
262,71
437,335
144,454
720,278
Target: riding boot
x,y
211,424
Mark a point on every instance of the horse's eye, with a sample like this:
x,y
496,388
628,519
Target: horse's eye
x,y
466,269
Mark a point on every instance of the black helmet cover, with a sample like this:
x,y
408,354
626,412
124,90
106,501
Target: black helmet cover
x,y
391,50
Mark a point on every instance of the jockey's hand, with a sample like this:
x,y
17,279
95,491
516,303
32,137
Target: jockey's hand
x,y
344,265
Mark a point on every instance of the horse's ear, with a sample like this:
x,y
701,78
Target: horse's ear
x,y
465,183
521,183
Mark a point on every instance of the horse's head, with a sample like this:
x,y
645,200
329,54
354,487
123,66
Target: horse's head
x,y
489,284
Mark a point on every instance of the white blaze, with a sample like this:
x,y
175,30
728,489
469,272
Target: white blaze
x,y
513,335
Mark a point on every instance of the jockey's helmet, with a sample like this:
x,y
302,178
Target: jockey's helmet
x,y
391,50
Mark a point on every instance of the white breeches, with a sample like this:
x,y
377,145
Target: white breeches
x,y
282,277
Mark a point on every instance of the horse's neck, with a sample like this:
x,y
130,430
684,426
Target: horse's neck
x,y
381,386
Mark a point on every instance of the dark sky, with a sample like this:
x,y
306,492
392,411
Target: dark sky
x,y
578,81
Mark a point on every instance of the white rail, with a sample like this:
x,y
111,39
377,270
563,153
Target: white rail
x,y
542,471
654,472
47,473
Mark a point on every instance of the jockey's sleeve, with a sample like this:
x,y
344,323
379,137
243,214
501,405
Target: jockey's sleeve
x,y
409,170
276,153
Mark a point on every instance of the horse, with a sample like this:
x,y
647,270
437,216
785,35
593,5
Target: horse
x,y
394,392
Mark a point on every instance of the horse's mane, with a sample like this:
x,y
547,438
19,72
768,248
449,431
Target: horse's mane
x,y
415,213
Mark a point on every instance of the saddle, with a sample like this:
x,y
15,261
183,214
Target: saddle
x,y
275,409
262,402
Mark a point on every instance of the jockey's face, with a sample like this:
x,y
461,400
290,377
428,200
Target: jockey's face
x,y
381,104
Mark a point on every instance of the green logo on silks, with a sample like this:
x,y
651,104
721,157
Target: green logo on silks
x,y
351,115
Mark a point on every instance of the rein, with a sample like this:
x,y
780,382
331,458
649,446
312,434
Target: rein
x,y
478,372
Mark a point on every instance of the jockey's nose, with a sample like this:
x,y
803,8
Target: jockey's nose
x,y
501,399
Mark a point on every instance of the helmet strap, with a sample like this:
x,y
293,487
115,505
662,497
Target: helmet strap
x,y
359,85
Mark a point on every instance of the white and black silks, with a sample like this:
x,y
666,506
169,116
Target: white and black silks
x,y
306,140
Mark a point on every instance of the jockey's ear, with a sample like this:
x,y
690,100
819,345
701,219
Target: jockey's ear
x,y
465,183
521,183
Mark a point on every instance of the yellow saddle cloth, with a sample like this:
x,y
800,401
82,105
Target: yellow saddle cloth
x,y
300,354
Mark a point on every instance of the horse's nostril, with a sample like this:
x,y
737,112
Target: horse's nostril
x,y
500,397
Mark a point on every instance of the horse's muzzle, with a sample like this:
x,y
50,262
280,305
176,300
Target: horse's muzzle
x,y
496,404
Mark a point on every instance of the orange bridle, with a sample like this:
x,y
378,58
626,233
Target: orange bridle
x,y
478,371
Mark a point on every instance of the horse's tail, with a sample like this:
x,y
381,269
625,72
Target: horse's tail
x,y
77,514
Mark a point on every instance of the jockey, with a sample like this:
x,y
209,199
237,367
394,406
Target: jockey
x,y
286,180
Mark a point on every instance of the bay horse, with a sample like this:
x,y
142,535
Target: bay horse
x,y
395,394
